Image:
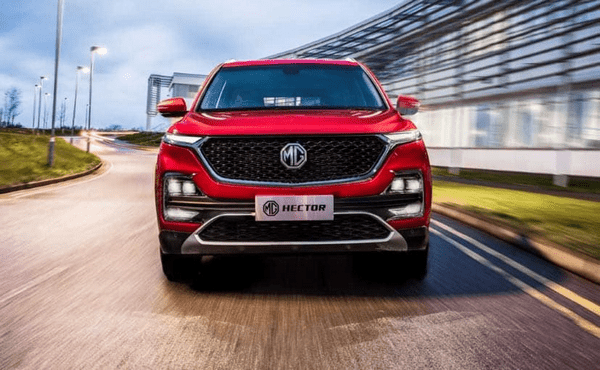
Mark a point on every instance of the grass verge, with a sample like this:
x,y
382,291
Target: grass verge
x,y
24,158
144,138
576,184
571,223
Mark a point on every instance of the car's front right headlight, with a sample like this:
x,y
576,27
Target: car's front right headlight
x,y
403,137
176,188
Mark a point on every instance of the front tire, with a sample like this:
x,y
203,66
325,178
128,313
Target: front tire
x,y
179,268
403,265
417,262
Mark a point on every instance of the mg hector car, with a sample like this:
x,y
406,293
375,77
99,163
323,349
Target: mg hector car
x,y
292,156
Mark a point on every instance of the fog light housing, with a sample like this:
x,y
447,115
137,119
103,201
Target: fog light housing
x,y
176,187
407,186
179,214
409,210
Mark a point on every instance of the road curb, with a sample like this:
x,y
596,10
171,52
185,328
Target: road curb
x,y
36,184
577,263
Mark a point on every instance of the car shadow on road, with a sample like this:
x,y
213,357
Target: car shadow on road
x,y
450,273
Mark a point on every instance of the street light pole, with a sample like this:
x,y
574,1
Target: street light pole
x,y
101,51
86,116
63,115
84,70
46,95
34,105
42,78
59,20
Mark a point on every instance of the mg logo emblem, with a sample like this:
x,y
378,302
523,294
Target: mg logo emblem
x,y
293,155
271,208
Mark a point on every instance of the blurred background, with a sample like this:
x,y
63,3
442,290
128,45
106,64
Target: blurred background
x,y
504,85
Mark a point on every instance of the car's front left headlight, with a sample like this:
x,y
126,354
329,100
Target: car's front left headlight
x,y
182,140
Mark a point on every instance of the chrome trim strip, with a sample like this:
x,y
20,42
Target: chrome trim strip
x,y
213,117
371,115
382,201
393,242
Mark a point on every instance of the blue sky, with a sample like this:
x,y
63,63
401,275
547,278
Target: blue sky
x,y
150,36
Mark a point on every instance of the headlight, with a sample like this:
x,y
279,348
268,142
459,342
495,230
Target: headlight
x,y
177,186
184,140
188,188
403,137
410,184
173,186
406,184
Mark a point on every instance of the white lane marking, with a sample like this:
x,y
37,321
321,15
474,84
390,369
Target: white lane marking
x,y
578,320
31,284
589,305
26,193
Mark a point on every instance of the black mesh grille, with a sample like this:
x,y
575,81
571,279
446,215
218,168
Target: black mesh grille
x,y
258,159
246,229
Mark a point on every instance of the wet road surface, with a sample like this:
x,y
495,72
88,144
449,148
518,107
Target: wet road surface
x,y
82,288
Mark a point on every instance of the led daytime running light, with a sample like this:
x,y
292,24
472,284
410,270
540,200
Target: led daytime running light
x,y
176,139
403,137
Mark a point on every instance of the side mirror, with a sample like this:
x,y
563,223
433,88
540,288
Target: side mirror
x,y
174,107
407,105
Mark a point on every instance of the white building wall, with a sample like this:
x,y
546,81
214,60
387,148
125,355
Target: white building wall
x,y
546,161
534,135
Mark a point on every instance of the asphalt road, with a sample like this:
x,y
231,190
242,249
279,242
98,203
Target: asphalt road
x,y
82,288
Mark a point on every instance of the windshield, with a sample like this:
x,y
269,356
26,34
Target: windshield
x,y
301,86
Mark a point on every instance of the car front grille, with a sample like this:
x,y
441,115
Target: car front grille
x,y
345,227
257,159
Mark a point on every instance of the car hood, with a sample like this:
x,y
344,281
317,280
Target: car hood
x,y
291,122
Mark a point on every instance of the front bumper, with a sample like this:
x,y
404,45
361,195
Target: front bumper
x,y
238,233
294,237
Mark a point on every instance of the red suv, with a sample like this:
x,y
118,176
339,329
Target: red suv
x,y
292,156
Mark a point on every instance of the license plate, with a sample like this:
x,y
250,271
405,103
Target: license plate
x,y
294,208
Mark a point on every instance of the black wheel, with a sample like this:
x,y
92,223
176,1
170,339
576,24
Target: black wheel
x,y
399,266
179,268
416,263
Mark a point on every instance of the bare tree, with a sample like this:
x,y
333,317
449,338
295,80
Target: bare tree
x,y
62,115
12,102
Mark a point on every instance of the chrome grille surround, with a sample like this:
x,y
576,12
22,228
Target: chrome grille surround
x,y
324,166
